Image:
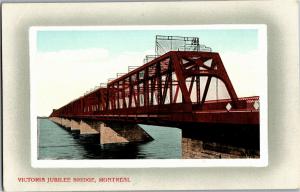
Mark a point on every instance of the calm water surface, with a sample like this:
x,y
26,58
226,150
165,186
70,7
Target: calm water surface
x,y
57,143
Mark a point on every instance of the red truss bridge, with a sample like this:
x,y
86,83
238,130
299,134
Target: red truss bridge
x,y
170,90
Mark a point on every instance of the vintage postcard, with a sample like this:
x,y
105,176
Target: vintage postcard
x,y
191,95
125,96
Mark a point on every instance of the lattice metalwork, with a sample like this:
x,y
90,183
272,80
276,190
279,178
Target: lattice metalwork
x,y
149,58
164,44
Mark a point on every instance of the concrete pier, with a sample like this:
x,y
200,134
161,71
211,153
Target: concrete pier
x,y
89,127
114,133
75,125
56,120
123,133
66,123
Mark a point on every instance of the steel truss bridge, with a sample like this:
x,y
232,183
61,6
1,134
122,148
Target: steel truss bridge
x,y
170,90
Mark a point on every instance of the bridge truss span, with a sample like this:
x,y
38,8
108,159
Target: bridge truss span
x,y
172,89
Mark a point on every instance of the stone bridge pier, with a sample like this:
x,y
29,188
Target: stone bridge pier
x,y
197,141
220,141
103,133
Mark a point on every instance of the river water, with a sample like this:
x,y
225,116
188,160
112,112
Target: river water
x,y
57,143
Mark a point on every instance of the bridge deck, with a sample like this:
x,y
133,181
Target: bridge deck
x,y
212,112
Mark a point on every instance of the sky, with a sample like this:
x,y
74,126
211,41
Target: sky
x,y
67,63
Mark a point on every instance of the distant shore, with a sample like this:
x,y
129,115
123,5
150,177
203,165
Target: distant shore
x,y
42,117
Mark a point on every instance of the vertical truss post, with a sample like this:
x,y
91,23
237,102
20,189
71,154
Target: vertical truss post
x,y
99,100
180,77
138,89
146,87
166,84
130,92
118,95
152,90
171,82
124,94
176,93
206,89
107,99
191,85
113,96
198,88
82,105
159,89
